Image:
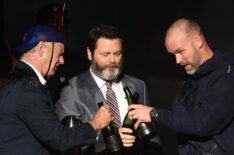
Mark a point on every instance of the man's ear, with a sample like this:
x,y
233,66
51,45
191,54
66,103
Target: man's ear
x,y
89,53
40,48
198,41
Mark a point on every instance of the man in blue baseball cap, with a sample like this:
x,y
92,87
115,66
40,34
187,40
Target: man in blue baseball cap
x,y
43,37
28,124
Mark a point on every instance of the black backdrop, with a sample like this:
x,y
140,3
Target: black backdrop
x,y
143,24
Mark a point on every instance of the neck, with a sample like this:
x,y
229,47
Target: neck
x,y
34,64
207,53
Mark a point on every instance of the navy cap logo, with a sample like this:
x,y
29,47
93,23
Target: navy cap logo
x,y
25,35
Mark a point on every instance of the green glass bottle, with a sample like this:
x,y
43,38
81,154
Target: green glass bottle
x,y
111,136
145,130
128,123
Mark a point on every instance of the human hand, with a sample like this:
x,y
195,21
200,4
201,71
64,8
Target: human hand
x,y
126,136
102,118
140,113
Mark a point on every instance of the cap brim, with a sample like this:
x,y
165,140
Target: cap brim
x,y
24,47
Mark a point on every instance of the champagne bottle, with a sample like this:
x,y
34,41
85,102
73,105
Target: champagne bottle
x,y
71,121
145,130
111,136
128,123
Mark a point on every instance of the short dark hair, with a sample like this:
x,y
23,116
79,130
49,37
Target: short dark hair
x,y
102,31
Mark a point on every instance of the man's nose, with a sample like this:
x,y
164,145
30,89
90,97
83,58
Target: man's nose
x,y
178,58
112,59
61,60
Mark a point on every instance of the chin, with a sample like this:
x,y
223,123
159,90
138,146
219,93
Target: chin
x,y
191,72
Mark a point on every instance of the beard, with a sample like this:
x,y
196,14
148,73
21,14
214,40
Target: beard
x,y
195,63
109,72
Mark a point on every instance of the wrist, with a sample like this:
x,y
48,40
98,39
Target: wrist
x,y
154,113
94,125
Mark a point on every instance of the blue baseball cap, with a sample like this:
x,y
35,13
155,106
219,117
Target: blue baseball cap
x,y
39,33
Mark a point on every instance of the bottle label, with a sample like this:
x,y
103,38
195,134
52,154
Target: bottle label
x,y
113,143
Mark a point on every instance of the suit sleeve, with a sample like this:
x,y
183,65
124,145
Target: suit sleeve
x,y
146,95
36,112
66,105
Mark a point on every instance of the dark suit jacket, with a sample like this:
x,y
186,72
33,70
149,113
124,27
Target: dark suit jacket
x,y
28,125
82,94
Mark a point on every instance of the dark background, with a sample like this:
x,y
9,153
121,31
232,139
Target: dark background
x,y
143,24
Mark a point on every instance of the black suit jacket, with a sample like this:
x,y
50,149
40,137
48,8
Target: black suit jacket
x,y
28,125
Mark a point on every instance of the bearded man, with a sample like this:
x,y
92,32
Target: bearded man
x,y
84,91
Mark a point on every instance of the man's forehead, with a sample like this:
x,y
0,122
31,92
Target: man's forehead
x,y
175,35
174,41
104,40
51,43
104,43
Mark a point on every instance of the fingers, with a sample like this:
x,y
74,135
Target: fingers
x,y
109,110
133,110
125,130
137,124
106,106
133,106
140,112
128,143
132,114
126,137
102,118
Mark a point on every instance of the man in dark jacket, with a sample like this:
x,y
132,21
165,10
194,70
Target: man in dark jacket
x,y
203,111
28,125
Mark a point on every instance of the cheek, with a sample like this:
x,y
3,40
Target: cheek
x,y
186,57
190,58
101,61
55,63
118,59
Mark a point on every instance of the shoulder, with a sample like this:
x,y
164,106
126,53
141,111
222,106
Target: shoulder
x,y
223,57
222,77
78,80
33,87
133,79
75,83
26,91
21,88
22,80
226,70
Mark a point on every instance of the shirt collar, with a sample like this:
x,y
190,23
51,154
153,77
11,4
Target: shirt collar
x,y
40,77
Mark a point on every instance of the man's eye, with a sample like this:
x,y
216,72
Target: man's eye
x,y
181,51
119,53
105,54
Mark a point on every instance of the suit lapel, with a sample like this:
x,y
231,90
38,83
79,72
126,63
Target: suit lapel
x,y
93,93
129,84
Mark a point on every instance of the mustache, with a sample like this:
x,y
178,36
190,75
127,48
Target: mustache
x,y
112,65
183,64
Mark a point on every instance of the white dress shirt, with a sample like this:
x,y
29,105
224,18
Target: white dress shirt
x,y
119,93
40,77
